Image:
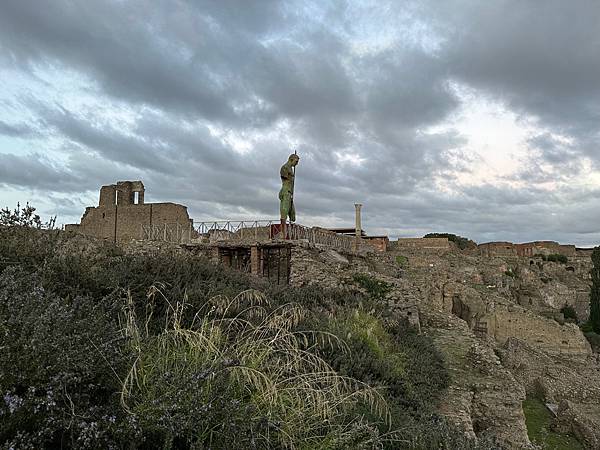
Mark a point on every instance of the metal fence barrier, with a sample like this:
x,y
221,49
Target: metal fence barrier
x,y
255,230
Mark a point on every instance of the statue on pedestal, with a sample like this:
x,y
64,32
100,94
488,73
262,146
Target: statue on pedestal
x,y
286,194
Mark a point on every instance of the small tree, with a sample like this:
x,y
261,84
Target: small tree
x,y
595,292
24,217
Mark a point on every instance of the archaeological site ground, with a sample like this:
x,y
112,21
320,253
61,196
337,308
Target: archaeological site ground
x,y
142,328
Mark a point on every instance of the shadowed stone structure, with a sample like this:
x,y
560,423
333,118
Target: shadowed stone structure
x,y
528,249
121,213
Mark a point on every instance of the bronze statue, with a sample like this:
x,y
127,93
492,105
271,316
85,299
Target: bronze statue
x,y
286,194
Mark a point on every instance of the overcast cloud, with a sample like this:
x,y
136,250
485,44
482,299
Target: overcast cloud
x,y
478,118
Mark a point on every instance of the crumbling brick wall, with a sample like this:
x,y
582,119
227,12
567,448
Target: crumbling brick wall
x,y
423,243
528,249
540,332
492,249
380,243
121,214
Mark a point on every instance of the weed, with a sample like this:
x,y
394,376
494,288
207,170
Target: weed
x,y
376,289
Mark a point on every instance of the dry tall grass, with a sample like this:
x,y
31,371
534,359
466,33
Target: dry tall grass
x,y
240,355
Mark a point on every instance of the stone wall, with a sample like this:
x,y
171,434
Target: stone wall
x,y
422,243
490,315
528,249
502,249
122,213
380,243
543,333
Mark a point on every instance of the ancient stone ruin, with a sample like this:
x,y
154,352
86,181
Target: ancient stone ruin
x,y
494,310
122,214
527,249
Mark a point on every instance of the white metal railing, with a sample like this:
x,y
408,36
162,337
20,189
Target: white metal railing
x,y
168,232
321,236
227,230
255,230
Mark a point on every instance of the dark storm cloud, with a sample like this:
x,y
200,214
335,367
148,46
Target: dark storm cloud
x,y
540,58
15,130
275,75
122,46
108,142
35,171
306,80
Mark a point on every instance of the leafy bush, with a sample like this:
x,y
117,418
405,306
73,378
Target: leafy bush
x,y
26,246
392,355
595,292
252,363
406,363
461,242
556,257
57,368
23,217
402,261
376,289
594,340
569,312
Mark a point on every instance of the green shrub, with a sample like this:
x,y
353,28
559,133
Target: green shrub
x,y
24,218
569,312
242,378
595,292
594,340
57,368
402,261
376,289
556,257
68,359
394,357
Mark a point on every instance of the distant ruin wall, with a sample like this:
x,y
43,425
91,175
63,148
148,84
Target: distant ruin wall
x,y
425,243
381,243
528,249
537,331
122,213
492,249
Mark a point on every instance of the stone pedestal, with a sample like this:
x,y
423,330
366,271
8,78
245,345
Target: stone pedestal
x,y
255,260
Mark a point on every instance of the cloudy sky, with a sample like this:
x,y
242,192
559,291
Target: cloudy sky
x,y
480,118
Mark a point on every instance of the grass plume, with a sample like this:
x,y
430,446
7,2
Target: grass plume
x,y
241,371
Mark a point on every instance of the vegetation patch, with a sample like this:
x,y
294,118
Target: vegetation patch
x,y
401,260
554,257
108,350
538,420
592,337
376,289
569,313
241,377
594,320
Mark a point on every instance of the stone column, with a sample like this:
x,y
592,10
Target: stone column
x,y
358,226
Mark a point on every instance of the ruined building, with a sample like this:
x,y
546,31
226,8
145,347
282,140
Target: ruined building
x,y
121,214
528,249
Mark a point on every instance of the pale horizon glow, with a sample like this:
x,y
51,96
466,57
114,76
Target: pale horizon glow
x,y
454,117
